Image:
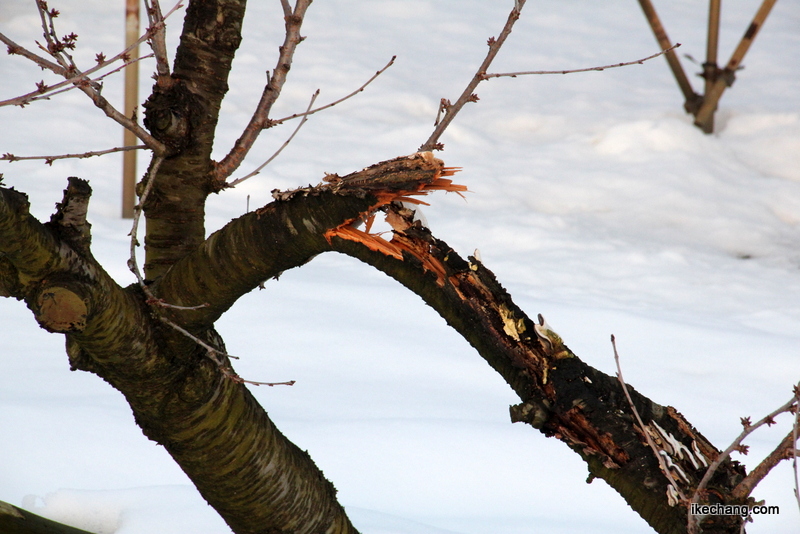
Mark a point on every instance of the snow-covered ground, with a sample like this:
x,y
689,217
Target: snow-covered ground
x,y
594,200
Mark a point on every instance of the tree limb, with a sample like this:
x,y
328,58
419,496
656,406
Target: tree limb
x,y
281,235
15,520
782,452
237,181
272,91
259,482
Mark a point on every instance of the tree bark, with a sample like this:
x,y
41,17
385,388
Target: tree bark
x,y
212,426
15,520
561,395
184,116
243,466
221,437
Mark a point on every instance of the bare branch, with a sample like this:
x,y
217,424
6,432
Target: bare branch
x,y
113,113
277,152
260,119
15,49
66,67
219,357
45,92
287,9
158,40
661,462
50,159
148,180
339,101
737,444
55,46
133,264
469,93
588,69
783,451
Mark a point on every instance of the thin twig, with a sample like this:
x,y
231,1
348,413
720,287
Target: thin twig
x,y
588,69
15,49
55,46
66,67
737,444
45,92
50,159
339,101
782,452
260,119
133,264
661,462
277,152
469,93
148,180
218,357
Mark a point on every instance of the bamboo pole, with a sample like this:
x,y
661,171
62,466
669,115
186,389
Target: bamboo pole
x,y
692,99
727,76
710,67
131,105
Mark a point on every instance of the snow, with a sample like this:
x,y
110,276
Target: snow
x,y
593,198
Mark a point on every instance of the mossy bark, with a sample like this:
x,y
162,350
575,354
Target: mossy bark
x,y
221,437
15,520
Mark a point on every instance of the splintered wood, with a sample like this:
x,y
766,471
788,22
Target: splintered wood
x,y
392,182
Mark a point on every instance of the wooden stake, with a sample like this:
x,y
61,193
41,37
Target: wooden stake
x,y
726,77
692,99
131,105
710,67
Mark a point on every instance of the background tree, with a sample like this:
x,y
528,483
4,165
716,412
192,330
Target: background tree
x,y
180,386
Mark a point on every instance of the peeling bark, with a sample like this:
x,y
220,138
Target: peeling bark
x,y
561,396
